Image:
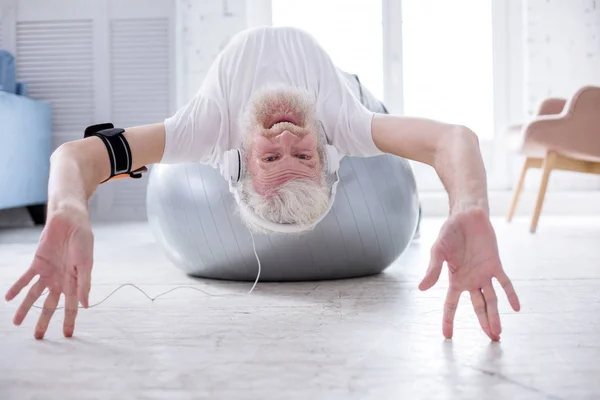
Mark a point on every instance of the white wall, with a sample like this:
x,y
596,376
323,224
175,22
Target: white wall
x,y
562,40
203,28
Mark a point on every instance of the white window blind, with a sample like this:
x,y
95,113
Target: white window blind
x,y
140,92
55,59
94,62
139,71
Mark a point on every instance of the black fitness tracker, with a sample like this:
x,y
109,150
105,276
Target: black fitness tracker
x,y
118,150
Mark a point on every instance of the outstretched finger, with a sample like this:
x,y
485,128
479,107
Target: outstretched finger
x,y
450,306
84,282
47,312
491,302
433,271
34,293
23,281
480,310
507,285
71,307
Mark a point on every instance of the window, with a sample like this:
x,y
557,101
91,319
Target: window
x,y
447,62
450,73
349,30
455,61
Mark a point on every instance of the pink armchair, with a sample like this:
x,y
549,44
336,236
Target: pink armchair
x,y
565,135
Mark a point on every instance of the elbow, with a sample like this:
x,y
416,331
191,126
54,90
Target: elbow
x,y
465,138
87,156
458,135
67,149
74,153
465,135
456,140
60,152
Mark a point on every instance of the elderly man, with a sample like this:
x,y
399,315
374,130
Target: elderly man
x,y
274,94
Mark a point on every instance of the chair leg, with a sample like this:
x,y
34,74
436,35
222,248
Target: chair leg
x,y
547,167
526,165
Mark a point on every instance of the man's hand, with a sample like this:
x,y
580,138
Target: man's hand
x,y
63,262
467,243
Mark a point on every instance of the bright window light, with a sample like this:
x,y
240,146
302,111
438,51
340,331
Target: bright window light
x,y
349,30
447,60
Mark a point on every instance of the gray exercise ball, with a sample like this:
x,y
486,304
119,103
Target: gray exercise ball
x,y
374,217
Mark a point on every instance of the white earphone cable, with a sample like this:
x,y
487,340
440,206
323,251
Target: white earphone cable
x,y
180,287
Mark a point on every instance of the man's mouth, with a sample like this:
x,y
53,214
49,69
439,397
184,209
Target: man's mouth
x,y
283,118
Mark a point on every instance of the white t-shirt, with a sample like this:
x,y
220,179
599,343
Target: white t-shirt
x,y
207,126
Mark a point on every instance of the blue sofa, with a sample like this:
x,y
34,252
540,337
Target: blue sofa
x,y
25,145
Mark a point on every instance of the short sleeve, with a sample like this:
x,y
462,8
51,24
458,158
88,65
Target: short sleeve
x,y
348,123
346,120
192,133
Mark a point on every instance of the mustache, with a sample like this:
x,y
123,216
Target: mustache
x,y
279,128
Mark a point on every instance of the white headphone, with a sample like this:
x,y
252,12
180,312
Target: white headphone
x,y
232,169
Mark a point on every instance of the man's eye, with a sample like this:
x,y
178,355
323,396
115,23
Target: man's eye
x,y
269,159
303,156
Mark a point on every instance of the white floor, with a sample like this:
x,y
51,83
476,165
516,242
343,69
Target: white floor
x,y
374,338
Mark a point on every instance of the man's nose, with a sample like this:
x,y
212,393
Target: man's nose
x,y
287,138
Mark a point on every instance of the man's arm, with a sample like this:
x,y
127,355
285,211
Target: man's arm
x,y
452,150
78,167
64,258
467,241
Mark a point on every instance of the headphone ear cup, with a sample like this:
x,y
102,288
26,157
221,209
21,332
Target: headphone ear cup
x,y
333,159
231,165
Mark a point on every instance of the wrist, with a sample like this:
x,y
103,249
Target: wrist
x,y
67,192
470,205
460,166
67,206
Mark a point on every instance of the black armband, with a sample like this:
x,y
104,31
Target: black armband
x,y
118,150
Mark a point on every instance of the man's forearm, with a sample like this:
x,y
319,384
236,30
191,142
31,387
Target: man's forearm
x,y
452,150
74,177
78,167
459,165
